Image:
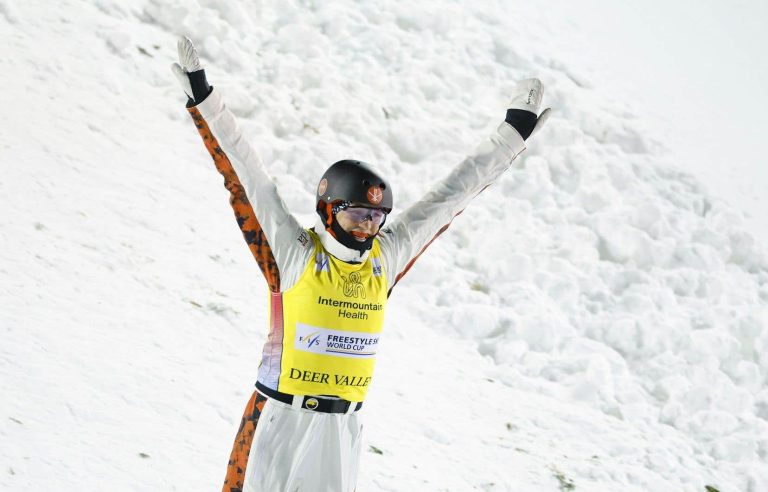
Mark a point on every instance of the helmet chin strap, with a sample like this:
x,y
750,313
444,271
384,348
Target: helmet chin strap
x,y
348,240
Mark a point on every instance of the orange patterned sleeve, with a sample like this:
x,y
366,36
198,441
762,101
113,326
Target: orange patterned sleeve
x,y
246,218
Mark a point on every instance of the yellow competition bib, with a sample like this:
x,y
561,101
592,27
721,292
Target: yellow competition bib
x,y
332,321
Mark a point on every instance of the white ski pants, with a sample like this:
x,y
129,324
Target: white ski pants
x,y
298,450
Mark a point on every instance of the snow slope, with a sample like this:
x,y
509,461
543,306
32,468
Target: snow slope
x,y
595,319
694,70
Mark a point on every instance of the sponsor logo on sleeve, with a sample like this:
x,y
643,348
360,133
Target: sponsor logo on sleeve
x,y
303,238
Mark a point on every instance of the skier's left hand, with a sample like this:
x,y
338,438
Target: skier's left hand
x,y
189,71
524,106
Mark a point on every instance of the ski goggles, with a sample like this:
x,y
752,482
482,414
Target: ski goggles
x,y
361,214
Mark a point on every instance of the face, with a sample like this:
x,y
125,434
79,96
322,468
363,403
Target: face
x,y
361,223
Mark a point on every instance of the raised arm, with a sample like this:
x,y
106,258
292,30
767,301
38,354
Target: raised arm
x,y
408,236
276,239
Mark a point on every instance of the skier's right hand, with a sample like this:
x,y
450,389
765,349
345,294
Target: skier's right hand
x,y
190,72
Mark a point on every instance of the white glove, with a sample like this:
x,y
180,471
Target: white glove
x,y
527,97
189,62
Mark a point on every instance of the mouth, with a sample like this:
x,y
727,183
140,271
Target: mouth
x,y
359,236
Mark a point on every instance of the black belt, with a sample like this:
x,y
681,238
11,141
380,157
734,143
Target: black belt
x,y
322,404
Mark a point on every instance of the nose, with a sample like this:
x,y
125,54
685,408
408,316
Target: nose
x,y
368,226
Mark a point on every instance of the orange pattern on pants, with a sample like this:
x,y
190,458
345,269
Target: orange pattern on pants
x,y
242,446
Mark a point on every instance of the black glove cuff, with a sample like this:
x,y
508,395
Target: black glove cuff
x,y
200,87
523,121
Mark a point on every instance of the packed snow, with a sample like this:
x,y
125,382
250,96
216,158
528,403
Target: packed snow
x,y
595,321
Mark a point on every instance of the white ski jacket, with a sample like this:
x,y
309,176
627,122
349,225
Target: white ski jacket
x,y
403,238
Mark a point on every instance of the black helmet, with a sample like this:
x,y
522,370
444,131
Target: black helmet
x,y
350,183
354,182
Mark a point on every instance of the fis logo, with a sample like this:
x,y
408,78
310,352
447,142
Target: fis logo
x,y
311,340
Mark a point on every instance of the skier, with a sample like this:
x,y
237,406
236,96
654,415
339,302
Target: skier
x,y
301,430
